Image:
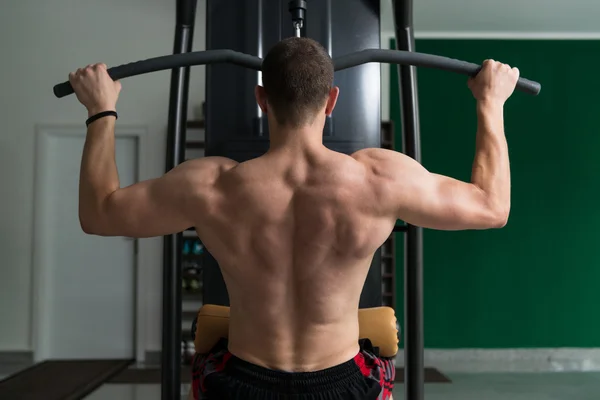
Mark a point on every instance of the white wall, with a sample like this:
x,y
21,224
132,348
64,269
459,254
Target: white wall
x,y
41,42
480,18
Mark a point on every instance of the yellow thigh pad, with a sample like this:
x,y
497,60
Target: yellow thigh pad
x,y
376,324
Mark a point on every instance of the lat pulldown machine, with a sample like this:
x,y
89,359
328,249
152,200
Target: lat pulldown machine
x,y
241,133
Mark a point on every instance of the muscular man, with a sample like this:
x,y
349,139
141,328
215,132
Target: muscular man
x,y
294,231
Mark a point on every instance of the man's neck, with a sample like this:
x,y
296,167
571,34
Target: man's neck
x,y
309,137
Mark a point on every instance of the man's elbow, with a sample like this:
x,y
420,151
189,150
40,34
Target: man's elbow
x,y
498,217
88,225
500,221
93,224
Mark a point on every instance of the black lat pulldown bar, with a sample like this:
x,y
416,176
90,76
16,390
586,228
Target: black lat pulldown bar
x,y
252,62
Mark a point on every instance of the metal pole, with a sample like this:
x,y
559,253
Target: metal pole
x,y
171,318
259,53
327,20
413,268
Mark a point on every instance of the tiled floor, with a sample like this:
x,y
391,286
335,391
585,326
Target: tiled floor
x,y
557,386
545,386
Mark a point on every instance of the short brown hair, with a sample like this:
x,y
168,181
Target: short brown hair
x,y
297,75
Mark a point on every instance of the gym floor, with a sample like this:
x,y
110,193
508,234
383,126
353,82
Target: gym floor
x,y
531,386
490,386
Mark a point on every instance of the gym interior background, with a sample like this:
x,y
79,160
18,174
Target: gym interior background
x,y
520,299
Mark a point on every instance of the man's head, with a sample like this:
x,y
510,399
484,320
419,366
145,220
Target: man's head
x,y
297,76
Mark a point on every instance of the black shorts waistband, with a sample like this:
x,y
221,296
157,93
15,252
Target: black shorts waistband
x,y
335,378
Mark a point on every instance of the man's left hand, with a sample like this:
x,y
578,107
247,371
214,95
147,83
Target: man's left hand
x,y
95,89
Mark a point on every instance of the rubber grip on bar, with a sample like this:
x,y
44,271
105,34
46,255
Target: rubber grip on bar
x,y
170,62
422,60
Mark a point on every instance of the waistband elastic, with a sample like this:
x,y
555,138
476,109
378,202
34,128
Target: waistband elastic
x,y
334,378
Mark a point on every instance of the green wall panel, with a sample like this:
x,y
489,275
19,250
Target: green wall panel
x,y
536,282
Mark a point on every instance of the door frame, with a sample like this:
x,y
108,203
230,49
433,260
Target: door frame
x,y
43,133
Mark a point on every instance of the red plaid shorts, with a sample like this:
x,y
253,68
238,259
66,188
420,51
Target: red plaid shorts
x,y
221,375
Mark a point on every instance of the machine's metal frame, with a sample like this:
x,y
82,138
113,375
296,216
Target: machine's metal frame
x,y
413,267
413,293
414,341
178,100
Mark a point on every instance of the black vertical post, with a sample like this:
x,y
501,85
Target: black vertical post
x,y
413,268
171,316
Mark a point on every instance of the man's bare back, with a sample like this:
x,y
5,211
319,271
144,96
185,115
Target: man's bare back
x,y
294,231
294,235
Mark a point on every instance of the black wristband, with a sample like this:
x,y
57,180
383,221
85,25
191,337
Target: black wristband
x,y
101,115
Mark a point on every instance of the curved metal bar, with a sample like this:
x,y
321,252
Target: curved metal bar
x,y
422,60
253,62
170,62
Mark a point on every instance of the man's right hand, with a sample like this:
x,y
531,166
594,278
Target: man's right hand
x,y
495,82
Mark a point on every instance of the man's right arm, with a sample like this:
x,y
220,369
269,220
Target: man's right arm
x,y
405,190
413,194
491,168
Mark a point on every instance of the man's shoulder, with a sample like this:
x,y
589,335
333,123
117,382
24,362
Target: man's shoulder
x,y
206,170
371,154
383,162
211,162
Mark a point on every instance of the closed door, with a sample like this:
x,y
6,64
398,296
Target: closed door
x,y
86,300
